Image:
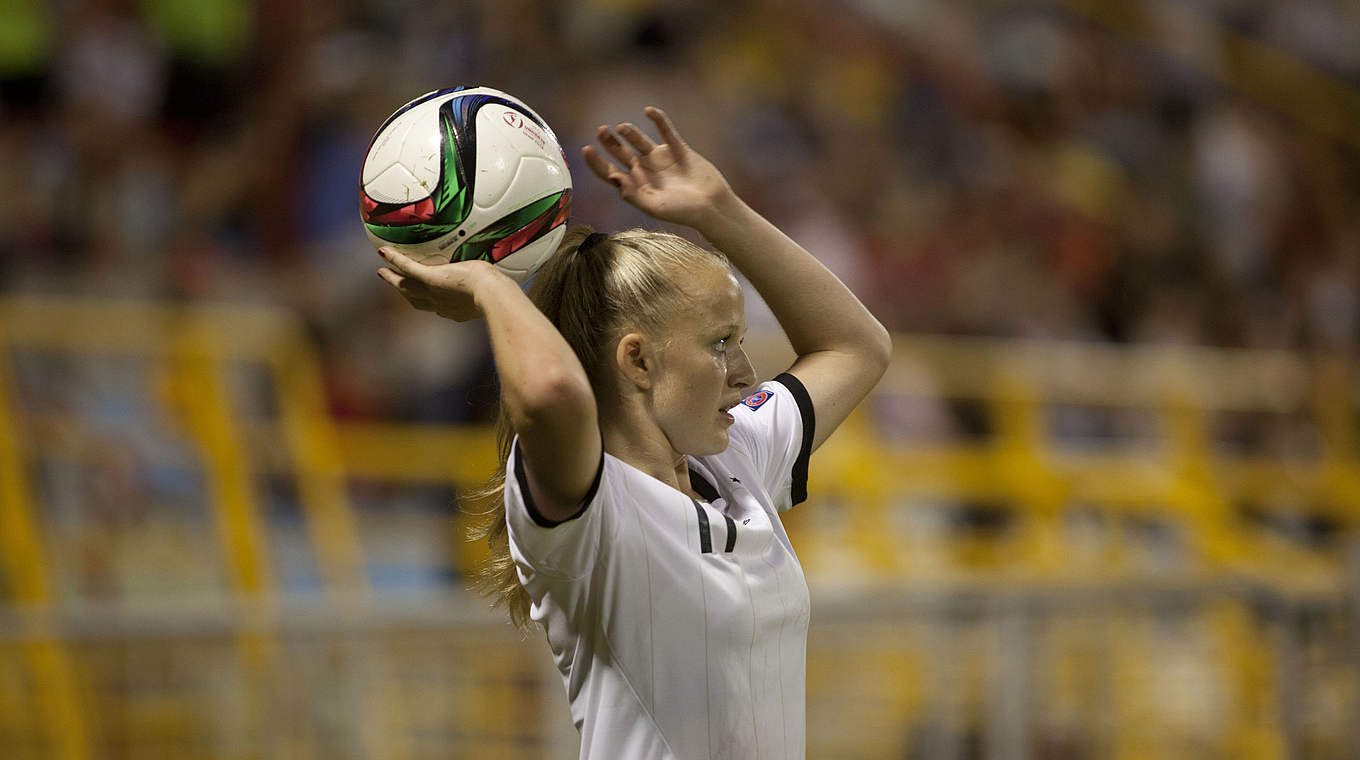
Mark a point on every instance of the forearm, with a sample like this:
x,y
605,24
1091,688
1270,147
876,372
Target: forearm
x,y
815,309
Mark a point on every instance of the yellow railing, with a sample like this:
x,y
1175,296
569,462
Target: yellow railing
x,y
1172,470
54,709
998,500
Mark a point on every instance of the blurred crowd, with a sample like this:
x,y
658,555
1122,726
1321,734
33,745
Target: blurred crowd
x,y
1089,170
984,168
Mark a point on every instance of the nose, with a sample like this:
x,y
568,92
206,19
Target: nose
x,y
740,373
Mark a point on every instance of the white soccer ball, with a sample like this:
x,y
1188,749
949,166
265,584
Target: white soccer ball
x,y
463,174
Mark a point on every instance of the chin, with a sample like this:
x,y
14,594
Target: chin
x,y
700,443
715,445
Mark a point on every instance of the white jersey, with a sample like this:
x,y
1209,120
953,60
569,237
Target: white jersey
x,y
679,626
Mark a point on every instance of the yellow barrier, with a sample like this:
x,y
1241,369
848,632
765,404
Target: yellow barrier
x,y
1002,499
21,550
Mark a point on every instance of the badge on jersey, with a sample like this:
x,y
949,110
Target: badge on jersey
x,y
754,400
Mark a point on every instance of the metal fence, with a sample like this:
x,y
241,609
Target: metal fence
x,y
1016,551
1205,670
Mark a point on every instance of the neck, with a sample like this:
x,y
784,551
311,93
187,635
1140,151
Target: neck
x,y
645,447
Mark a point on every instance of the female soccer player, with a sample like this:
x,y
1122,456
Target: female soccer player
x,y
647,470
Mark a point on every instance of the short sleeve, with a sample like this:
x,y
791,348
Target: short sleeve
x,y
773,429
564,548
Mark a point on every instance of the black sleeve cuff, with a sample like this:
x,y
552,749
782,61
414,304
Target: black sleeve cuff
x,y
798,490
537,516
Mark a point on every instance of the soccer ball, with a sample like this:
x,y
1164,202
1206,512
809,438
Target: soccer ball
x,y
464,174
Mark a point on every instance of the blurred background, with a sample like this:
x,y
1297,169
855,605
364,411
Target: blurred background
x,y
1104,505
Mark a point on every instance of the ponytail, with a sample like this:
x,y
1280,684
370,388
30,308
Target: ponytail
x,y
592,289
497,577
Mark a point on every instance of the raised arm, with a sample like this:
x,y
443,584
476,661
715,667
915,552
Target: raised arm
x,y
842,349
543,385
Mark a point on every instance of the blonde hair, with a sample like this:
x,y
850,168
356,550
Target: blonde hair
x,y
594,289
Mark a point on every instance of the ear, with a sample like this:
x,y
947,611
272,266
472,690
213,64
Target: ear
x,y
633,357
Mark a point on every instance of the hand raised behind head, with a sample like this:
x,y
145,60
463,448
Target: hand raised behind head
x,y
667,180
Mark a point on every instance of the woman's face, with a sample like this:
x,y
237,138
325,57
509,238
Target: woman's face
x,y
702,370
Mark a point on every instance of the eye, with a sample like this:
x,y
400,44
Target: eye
x,y
721,344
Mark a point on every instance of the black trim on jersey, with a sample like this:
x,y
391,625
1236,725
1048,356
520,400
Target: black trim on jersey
x,y
701,486
705,534
731,533
798,490
537,516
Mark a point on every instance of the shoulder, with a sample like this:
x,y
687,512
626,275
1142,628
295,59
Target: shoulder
x,y
773,432
780,403
615,482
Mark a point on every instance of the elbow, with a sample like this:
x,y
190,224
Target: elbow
x,y
553,393
878,349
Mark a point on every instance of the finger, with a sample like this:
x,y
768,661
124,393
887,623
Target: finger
x,y
669,134
404,285
407,286
412,288
402,263
615,147
636,138
602,168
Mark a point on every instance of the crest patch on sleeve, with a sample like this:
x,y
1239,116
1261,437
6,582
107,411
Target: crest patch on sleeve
x,y
756,399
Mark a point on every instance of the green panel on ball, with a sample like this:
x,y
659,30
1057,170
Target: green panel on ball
x,y
450,202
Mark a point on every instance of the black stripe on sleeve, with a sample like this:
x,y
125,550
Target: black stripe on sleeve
x,y
798,490
537,516
705,535
731,533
